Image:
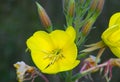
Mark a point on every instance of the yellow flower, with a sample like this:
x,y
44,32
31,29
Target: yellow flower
x,y
54,52
111,36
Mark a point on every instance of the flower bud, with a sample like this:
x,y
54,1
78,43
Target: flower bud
x,y
86,28
93,5
100,5
82,1
71,8
65,3
44,17
111,36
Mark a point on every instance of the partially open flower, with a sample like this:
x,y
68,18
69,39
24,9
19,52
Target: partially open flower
x,y
111,36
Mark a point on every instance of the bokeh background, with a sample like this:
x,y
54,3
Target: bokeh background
x,y
19,20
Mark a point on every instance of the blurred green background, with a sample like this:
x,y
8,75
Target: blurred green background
x,y
19,20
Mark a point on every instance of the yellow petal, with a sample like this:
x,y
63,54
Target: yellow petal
x,y
111,36
114,19
60,38
60,66
70,30
67,62
39,59
69,51
116,51
40,41
52,69
66,65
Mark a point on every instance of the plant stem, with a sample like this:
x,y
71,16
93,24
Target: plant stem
x,y
93,68
83,73
100,54
69,76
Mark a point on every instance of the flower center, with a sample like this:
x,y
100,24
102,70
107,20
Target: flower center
x,y
53,56
56,51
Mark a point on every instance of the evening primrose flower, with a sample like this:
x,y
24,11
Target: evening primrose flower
x,y
111,36
54,52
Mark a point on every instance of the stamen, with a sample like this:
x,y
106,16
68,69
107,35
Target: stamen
x,y
54,56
